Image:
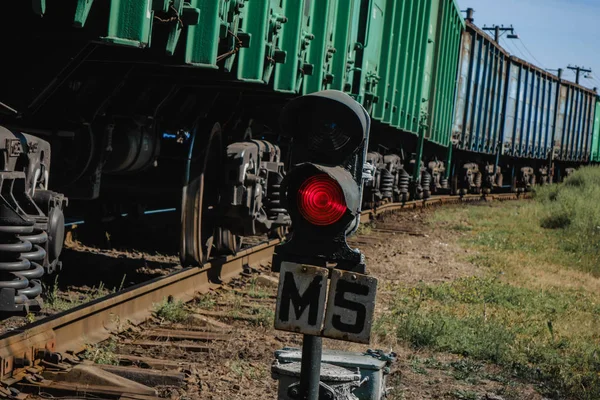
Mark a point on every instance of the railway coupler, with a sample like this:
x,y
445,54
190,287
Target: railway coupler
x,y
344,375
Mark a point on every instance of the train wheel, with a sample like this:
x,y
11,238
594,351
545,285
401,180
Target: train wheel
x,y
278,233
226,242
200,198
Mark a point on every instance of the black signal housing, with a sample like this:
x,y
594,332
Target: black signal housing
x,y
329,132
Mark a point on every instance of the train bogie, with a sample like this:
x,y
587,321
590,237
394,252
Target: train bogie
x,y
32,222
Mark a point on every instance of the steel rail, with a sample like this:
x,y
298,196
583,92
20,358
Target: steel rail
x,y
368,215
70,332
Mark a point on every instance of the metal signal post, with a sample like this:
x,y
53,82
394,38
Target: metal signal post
x,y
323,291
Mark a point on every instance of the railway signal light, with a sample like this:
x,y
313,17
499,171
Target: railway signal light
x,y
323,189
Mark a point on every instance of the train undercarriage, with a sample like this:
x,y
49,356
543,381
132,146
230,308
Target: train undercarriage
x,y
220,167
394,177
221,171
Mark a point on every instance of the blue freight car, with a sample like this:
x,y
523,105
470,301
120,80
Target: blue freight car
x,y
515,120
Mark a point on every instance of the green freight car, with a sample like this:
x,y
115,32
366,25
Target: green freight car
x,y
595,149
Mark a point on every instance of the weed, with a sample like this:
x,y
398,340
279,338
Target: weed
x,y
264,316
206,302
465,368
121,285
241,369
256,291
461,228
558,220
30,317
52,292
102,353
416,367
572,209
434,363
171,311
364,229
53,298
238,303
468,336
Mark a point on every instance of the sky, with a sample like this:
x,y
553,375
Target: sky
x,y
552,33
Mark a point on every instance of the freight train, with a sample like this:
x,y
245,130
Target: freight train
x,y
129,105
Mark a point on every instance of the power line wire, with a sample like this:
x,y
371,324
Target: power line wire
x,y
530,53
592,79
512,49
532,56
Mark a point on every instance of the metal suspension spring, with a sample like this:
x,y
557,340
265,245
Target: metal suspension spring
x,y
16,255
403,181
426,181
37,255
273,203
387,184
444,183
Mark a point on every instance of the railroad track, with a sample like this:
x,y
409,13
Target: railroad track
x,y
52,345
368,215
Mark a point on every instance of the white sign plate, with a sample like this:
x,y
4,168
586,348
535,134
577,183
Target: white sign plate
x,y
350,306
301,298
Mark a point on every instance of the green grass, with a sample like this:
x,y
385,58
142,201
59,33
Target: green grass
x,y
102,353
573,210
172,311
244,369
256,291
54,299
535,308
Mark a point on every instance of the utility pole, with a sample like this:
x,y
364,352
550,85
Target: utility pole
x,y
578,70
470,13
497,29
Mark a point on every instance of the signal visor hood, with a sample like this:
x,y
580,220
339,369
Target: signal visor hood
x,y
330,125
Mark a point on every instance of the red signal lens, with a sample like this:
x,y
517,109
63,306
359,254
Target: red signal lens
x,y
321,200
